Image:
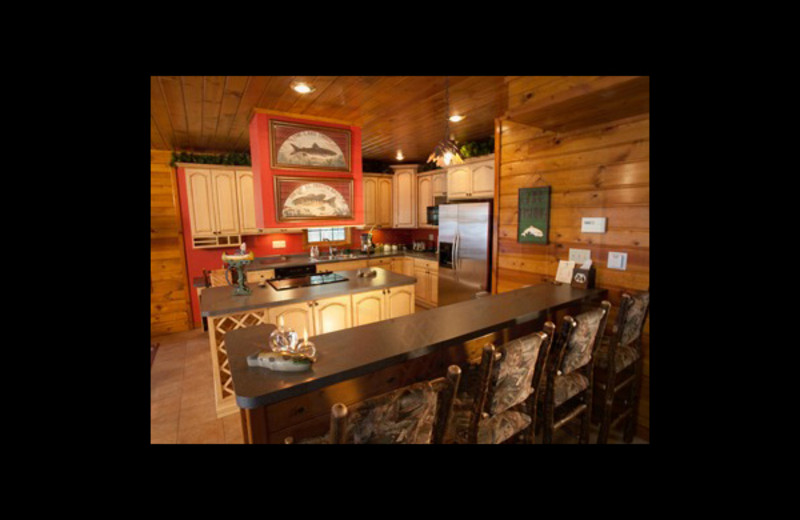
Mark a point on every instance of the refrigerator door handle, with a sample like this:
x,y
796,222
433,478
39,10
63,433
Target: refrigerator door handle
x,y
455,251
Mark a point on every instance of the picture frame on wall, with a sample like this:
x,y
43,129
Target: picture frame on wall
x,y
534,215
300,146
313,198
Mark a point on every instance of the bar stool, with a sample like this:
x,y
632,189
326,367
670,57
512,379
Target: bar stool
x,y
619,364
569,374
217,278
501,404
415,414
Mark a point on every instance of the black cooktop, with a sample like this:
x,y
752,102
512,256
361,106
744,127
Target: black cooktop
x,y
306,281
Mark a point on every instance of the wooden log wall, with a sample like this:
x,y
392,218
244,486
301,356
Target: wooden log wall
x,y
170,309
597,171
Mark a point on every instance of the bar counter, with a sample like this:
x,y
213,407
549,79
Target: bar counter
x,y
357,363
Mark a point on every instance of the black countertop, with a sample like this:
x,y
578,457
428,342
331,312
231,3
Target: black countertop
x,y
275,262
217,301
272,262
354,352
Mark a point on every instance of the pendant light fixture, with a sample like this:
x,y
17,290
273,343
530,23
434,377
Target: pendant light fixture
x,y
447,151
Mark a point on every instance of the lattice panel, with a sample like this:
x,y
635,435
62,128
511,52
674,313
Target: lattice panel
x,y
222,326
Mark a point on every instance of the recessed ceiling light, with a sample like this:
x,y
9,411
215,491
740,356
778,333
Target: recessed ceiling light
x,y
302,88
400,155
456,119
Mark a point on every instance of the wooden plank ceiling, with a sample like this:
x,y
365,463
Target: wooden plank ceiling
x,y
212,113
408,113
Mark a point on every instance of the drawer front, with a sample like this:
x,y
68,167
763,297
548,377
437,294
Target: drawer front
x,y
257,276
342,266
379,262
429,265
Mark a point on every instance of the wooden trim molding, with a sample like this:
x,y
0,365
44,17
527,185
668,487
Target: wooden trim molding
x,y
303,116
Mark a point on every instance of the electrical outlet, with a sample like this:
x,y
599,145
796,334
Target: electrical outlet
x,y
580,256
279,244
430,236
617,260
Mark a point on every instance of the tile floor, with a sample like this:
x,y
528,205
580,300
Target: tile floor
x,y
182,396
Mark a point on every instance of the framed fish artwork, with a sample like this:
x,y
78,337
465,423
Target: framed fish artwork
x,y
309,198
297,146
534,215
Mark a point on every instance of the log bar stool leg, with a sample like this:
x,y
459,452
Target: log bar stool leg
x,y
630,422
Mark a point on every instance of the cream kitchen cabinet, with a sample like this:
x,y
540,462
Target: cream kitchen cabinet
x,y
440,184
226,204
368,307
246,200
384,304
385,263
404,196
315,316
297,316
342,266
471,180
427,288
221,205
332,314
399,301
201,202
424,199
260,275
378,200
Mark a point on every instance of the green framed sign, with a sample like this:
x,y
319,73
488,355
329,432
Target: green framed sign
x,y
534,215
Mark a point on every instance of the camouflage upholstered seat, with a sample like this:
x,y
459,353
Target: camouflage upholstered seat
x,y
408,415
509,385
569,372
623,352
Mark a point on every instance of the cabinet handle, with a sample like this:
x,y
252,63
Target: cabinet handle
x,y
389,291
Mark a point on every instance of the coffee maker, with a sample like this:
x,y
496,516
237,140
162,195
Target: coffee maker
x,y
366,242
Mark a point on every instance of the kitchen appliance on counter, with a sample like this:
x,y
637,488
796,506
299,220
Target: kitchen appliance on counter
x,y
464,240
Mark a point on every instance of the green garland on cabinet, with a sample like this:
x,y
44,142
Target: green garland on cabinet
x,y
232,159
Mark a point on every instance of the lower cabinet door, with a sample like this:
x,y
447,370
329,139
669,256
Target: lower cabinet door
x,y
423,286
297,316
399,301
332,314
368,307
433,287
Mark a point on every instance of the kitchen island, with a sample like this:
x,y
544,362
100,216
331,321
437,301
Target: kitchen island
x,y
315,310
361,362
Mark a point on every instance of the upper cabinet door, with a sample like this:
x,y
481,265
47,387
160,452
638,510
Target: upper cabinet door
x,y
225,199
439,184
459,182
247,202
201,202
370,201
483,180
424,198
384,208
404,192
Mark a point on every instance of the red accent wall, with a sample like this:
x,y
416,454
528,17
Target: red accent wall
x,y
263,174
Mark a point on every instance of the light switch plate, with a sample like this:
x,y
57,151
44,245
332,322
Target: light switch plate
x,y
430,237
617,260
278,244
593,225
580,256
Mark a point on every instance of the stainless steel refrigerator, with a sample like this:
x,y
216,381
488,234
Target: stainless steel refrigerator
x,y
464,239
